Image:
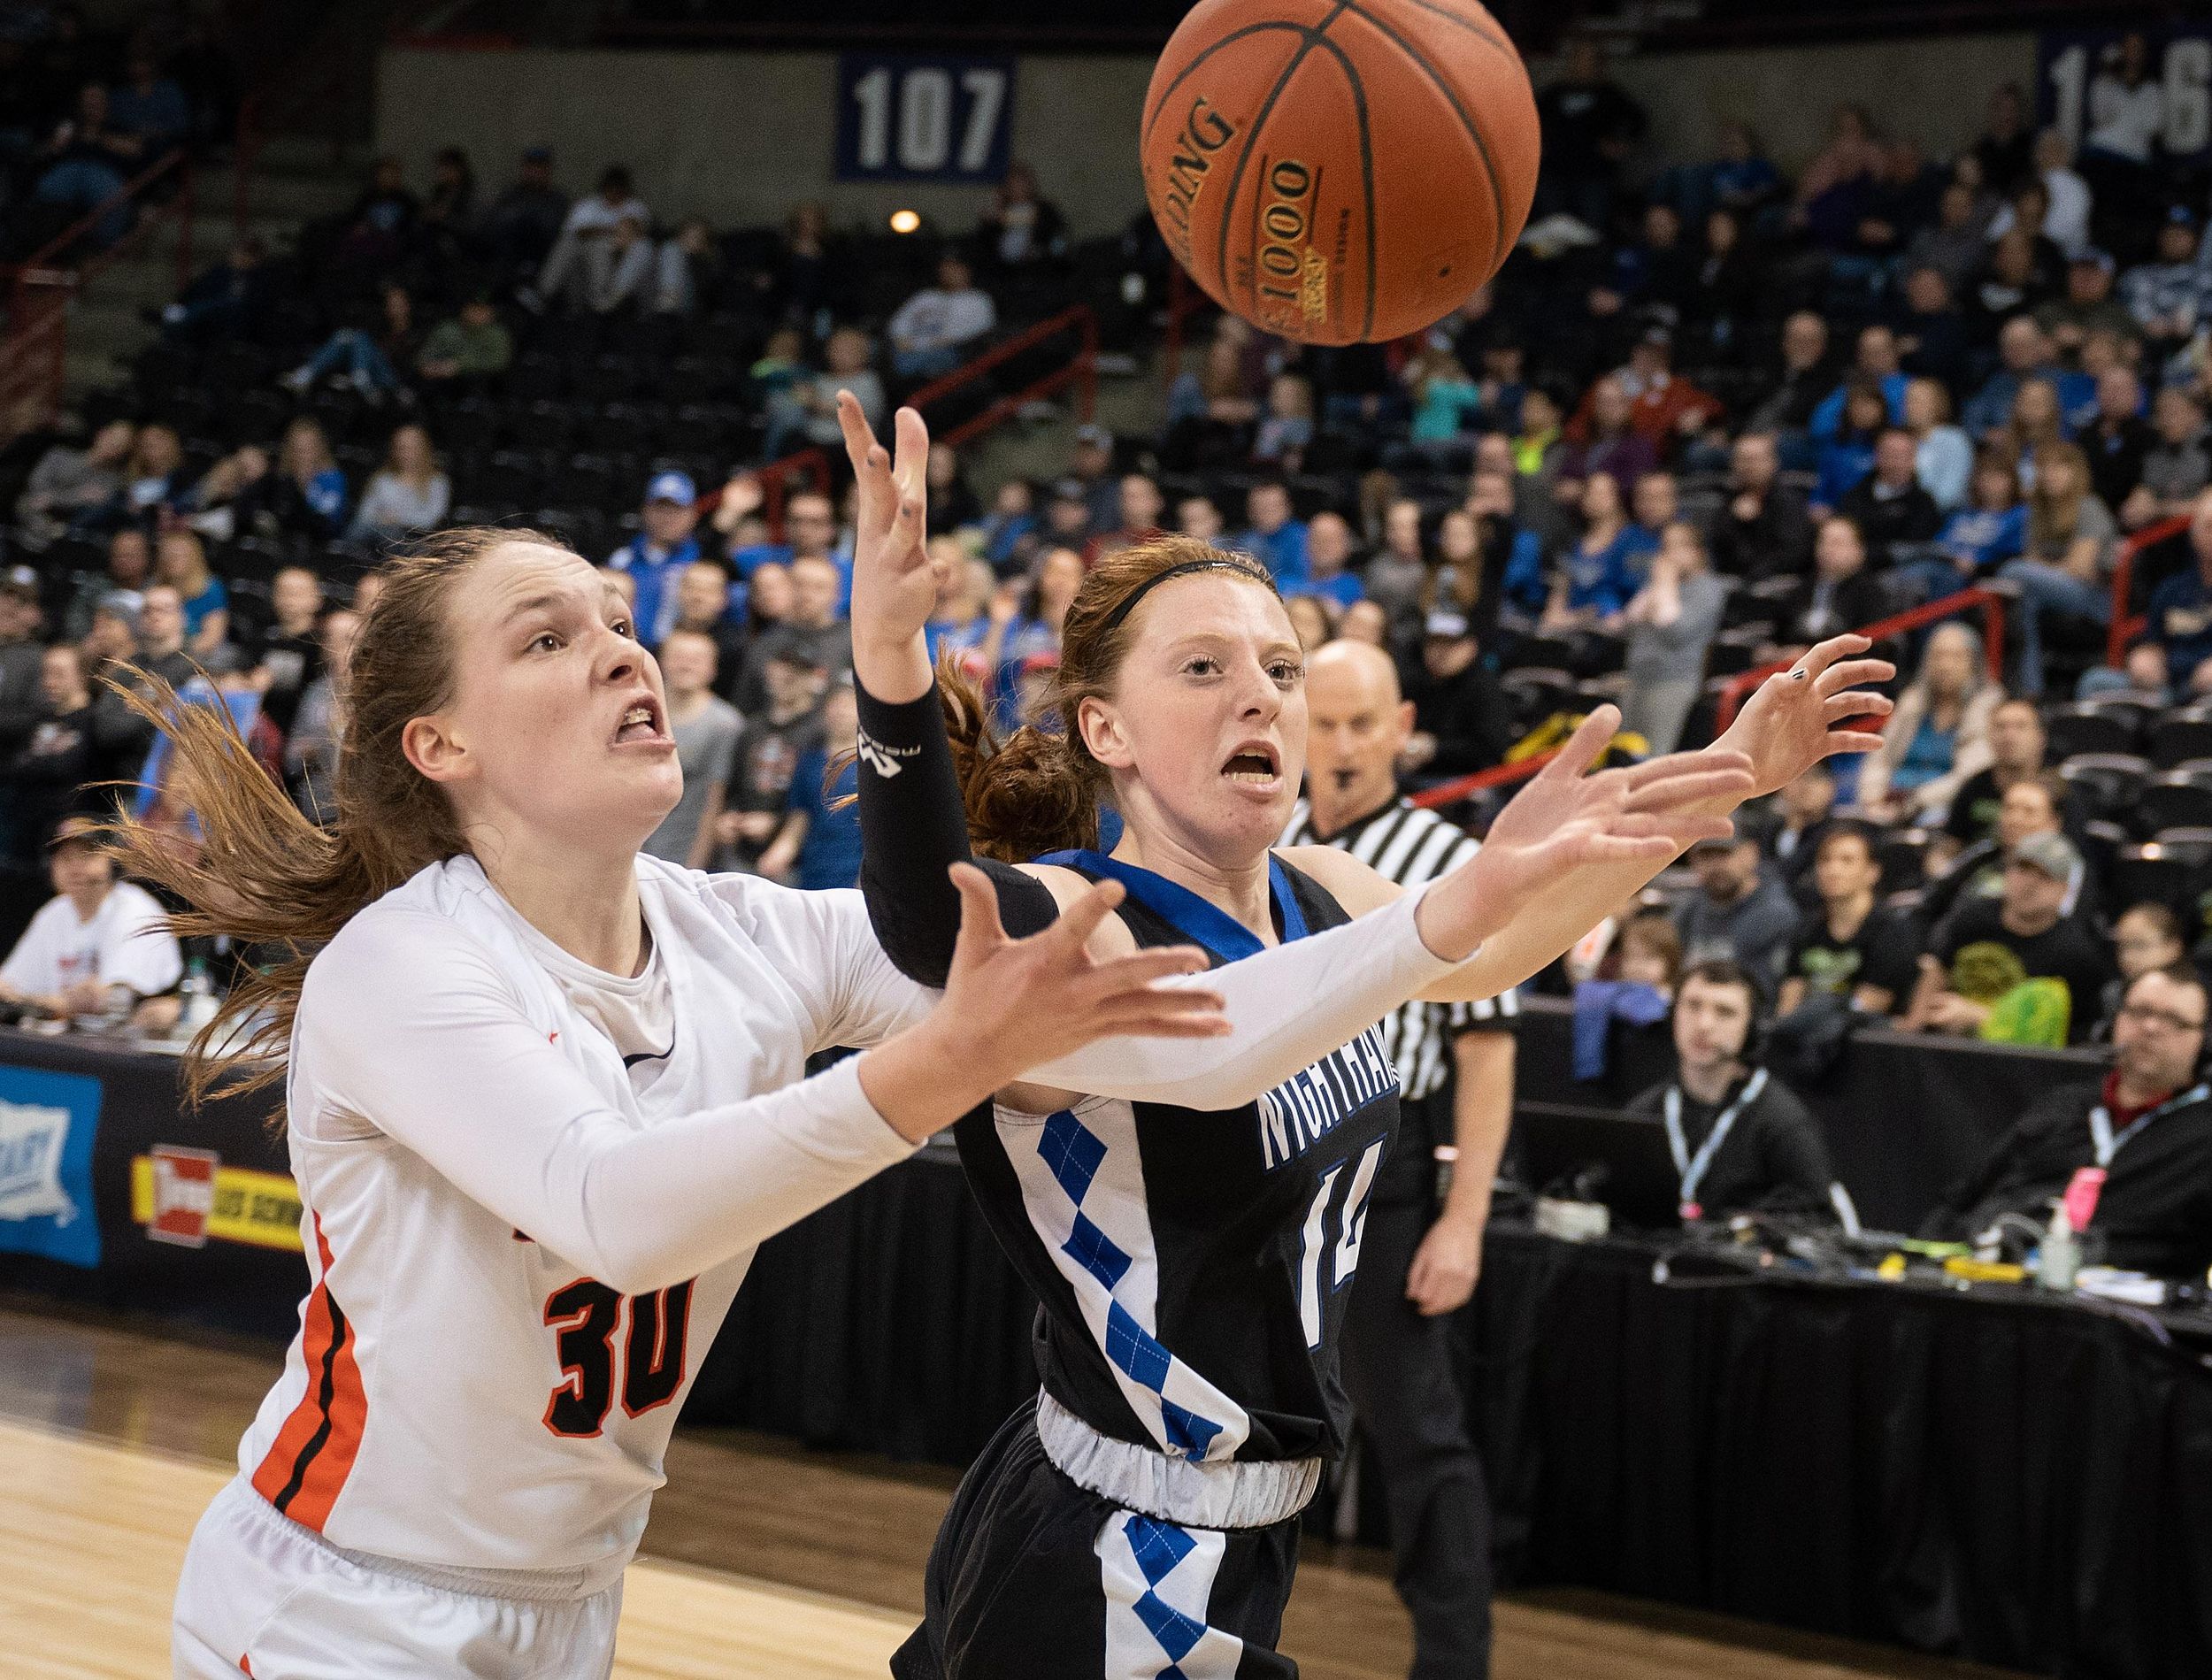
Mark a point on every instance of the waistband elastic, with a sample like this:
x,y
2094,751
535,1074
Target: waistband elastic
x,y
1227,1494
527,1586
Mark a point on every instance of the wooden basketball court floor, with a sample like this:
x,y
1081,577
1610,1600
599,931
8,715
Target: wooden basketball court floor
x,y
763,1562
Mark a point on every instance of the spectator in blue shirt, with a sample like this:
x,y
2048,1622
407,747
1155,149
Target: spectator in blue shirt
x,y
2024,351
1847,456
150,106
1328,552
1009,530
1597,577
1743,181
657,556
1656,502
1273,537
1981,536
1876,364
818,845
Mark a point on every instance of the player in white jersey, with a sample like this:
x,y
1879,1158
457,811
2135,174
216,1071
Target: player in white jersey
x,y
543,1095
1193,1256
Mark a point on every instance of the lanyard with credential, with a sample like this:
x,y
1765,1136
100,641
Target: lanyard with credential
x,y
2100,1122
1693,1169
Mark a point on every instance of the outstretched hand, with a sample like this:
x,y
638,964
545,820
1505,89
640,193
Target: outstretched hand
x,y
894,585
1799,716
1016,1004
1565,818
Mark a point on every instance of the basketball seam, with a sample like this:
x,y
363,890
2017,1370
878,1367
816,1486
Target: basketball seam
x,y
1259,126
1444,87
1188,70
1466,23
1366,166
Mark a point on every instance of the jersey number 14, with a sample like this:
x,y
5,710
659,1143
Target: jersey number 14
x,y
1314,1244
586,1316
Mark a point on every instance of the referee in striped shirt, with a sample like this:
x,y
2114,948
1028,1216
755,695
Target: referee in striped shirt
x,y
1417,1262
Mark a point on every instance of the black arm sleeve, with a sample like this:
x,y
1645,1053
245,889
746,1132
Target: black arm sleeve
x,y
913,827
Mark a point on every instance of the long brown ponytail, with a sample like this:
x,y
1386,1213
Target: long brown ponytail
x,y
262,873
1038,790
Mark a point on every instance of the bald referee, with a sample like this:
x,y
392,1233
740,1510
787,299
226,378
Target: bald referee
x,y
1417,1262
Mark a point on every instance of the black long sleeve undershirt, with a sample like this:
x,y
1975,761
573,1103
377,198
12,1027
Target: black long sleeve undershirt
x,y
913,828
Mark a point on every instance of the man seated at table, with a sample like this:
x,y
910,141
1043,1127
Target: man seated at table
x,y
2140,1142
99,947
1741,1141
2019,968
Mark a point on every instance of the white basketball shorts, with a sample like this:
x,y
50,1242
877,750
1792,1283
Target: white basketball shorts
x,y
262,1596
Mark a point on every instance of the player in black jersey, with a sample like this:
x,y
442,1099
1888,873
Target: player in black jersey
x,y
1193,1253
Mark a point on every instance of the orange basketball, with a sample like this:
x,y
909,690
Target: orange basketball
x,y
1340,171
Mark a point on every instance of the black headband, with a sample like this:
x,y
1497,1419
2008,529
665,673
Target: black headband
x,y
1182,569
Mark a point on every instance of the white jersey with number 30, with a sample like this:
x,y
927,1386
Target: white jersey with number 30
x,y
504,1320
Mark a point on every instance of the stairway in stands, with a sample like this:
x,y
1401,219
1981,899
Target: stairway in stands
x,y
297,181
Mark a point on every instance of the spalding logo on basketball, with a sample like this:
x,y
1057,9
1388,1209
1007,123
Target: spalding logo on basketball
x,y
1340,171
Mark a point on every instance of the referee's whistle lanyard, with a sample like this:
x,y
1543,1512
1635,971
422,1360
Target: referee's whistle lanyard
x,y
1693,1168
2109,1144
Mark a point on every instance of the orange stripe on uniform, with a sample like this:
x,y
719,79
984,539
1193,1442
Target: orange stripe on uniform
x,y
313,1453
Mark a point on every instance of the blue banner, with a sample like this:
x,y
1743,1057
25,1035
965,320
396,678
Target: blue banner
x,y
935,118
47,1124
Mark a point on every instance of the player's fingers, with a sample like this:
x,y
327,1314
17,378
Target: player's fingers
x,y
1144,968
911,465
860,437
1079,920
1822,654
980,929
1856,702
1850,674
1690,788
1656,770
1853,741
1583,746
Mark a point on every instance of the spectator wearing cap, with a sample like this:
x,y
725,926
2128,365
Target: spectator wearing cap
x,y
98,947
2131,1154
1273,535
1670,623
473,345
1091,464
2087,307
1978,974
1739,913
657,555
591,221
520,227
2167,297
933,329
1462,719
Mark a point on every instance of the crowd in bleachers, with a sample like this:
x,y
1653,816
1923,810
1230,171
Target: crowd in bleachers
x,y
1708,414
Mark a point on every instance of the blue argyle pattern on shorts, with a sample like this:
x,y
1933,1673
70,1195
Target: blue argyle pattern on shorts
x,y
1073,1152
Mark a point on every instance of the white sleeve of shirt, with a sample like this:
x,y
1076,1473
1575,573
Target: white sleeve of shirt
x,y
408,1027
1288,1006
136,947
823,947
30,967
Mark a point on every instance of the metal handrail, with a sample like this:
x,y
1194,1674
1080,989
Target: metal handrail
x,y
2124,627
1082,371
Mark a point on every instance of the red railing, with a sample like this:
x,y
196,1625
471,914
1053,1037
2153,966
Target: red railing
x,y
33,356
1082,372
2126,627
774,480
1497,775
1988,603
